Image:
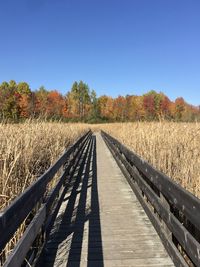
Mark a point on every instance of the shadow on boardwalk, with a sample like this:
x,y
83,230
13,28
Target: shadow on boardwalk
x,y
75,239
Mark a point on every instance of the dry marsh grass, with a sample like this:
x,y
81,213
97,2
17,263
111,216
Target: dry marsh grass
x,y
173,148
27,150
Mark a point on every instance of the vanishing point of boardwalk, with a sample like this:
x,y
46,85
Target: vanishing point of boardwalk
x,y
100,222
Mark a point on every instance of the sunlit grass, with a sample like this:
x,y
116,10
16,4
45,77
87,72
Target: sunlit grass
x,y
27,150
173,148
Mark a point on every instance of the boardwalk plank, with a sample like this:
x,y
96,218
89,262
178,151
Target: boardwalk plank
x,y
101,222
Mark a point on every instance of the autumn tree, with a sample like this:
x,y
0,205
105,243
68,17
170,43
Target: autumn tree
x,y
70,107
179,108
24,102
119,108
137,111
95,107
9,101
41,102
80,97
165,107
106,107
149,105
17,101
55,105
156,105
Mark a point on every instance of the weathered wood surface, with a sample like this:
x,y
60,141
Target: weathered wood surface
x,y
180,237
182,199
100,222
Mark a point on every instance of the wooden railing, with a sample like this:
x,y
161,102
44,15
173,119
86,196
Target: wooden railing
x,y
173,211
37,208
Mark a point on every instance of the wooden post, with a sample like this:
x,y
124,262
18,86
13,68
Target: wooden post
x,y
167,206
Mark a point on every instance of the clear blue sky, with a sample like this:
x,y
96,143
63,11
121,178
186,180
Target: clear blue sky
x,y
116,46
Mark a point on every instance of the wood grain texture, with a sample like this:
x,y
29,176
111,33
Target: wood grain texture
x,y
101,222
182,199
176,231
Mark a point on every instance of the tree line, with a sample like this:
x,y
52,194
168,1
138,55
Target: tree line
x,y
19,102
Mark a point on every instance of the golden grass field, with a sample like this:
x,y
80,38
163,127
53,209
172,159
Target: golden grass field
x,y
28,149
173,148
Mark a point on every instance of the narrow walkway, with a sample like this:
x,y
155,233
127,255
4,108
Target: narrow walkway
x,y
100,222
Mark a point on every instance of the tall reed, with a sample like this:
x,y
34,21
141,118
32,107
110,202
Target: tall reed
x,y
27,150
173,148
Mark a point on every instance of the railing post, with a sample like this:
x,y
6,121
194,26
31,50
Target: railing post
x,y
167,206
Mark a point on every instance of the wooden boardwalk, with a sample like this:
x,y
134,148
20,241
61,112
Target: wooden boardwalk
x,y
100,222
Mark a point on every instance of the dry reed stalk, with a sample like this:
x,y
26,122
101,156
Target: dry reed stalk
x,y
173,148
26,151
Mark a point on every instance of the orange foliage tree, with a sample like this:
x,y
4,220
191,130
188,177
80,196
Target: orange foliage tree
x,y
17,101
